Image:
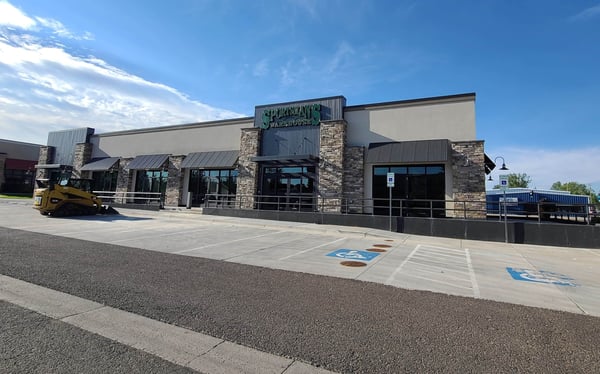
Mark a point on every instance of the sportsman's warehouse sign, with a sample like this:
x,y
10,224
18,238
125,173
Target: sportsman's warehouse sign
x,y
302,115
299,113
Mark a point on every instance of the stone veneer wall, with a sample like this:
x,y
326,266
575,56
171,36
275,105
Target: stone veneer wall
x,y
468,183
174,191
125,176
248,169
331,165
354,178
46,157
83,155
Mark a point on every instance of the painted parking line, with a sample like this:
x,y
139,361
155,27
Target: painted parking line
x,y
312,248
229,242
452,267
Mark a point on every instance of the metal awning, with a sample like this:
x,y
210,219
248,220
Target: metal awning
x,y
216,159
438,150
287,159
148,162
102,164
489,164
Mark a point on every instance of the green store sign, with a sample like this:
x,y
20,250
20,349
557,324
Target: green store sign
x,y
302,115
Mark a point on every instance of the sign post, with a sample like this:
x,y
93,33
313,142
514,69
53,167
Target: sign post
x,y
390,184
504,187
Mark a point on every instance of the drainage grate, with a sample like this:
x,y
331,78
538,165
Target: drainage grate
x,y
353,264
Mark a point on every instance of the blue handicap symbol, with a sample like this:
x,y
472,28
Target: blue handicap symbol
x,y
541,276
351,254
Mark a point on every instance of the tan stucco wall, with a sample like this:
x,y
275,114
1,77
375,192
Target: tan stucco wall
x,y
452,119
176,140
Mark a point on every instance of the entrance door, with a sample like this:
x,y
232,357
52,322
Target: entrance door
x,y
288,188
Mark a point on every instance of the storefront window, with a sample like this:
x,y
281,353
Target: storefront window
x,y
151,181
288,188
203,182
420,187
105,180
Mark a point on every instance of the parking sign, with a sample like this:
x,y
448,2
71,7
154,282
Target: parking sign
x,y
390,179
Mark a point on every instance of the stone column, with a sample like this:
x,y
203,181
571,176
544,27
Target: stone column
x,y
248,169
83,155
46,157
331,165
174,182
354,179
468,179
124,180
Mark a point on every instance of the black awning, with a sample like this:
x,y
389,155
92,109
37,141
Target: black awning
x,y
287,159
489,164
438,150
148,162
216,159
102,164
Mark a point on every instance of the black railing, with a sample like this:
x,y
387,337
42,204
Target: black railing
x,y
467,209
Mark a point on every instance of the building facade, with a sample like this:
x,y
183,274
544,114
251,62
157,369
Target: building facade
x,y
313,155
17,166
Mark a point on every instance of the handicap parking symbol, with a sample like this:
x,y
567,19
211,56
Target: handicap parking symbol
x,y
351,254
541,276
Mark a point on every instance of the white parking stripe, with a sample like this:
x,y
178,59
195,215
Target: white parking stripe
x,y
310,249
399,268
472,275
228,242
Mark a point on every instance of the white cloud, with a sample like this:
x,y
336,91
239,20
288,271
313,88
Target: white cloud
x,y
546,166
261,69
588,13
13,17
343,51
43,88
60,30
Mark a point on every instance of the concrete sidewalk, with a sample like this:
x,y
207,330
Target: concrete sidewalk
x,y
557,278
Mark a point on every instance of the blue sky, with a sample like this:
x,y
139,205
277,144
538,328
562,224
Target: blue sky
x,y
115,65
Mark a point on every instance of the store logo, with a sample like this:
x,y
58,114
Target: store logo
x,y
302,115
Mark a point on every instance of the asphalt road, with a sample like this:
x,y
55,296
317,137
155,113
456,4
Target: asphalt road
x,y
32,343
342,325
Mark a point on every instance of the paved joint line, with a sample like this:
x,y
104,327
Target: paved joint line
x,y
62,318
476,292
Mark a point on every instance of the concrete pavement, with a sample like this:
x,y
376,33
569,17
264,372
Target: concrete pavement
x,y
343,325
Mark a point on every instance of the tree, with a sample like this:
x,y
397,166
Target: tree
x,y
576,189
517,180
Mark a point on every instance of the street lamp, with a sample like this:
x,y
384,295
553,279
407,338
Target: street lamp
x,y
504,187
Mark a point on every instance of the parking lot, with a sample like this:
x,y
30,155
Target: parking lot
x,y
557,278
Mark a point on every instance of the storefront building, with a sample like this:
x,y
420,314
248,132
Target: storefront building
x,y
313,155
17,166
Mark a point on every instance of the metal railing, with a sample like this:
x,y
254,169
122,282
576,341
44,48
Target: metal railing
x,y
463,209
124,198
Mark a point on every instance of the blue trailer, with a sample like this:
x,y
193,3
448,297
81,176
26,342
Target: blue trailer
x,y
545,204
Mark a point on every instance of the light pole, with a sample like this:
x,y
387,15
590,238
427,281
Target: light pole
x,y
503,186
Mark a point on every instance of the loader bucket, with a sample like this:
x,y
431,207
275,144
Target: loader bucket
x,y
108,210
